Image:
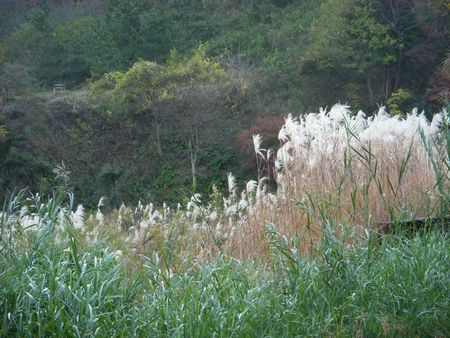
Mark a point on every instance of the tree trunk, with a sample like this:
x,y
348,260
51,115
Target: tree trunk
x,y
398,71
370,89
193,157
158,137
387,81
194,171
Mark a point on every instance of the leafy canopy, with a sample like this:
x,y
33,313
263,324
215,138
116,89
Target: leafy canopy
x,y
147,84
348,32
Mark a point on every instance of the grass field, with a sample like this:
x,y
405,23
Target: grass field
x,y
304,261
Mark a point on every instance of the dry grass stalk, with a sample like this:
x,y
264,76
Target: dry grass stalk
x,y
335,168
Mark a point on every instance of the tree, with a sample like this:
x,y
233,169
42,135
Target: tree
x,y
194,112
421,30
438,93
157,34
187,95
400,18
347,33
2,59
89,48
15,80
2,53
140,91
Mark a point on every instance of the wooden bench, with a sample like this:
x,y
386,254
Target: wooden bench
x,y
58,88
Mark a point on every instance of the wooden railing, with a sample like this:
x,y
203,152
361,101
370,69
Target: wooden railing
x,y
415,225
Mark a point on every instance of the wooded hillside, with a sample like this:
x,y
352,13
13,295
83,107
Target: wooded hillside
x,y
268,58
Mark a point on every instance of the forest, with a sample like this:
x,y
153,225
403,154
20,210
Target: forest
x,y
224,168
162,97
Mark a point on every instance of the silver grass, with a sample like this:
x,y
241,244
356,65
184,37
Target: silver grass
x,y
101,202
78,217
231,183
251,186
257,139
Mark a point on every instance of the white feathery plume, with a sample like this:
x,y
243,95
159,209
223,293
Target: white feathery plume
x,y
78,217
251,186
257,139
231,183
313,138
119,222
144,224
243,204
29,222
131,235
23,211
339,113
99,217
101,202
438,120
283,135
262,187
196,198
117,254
213,216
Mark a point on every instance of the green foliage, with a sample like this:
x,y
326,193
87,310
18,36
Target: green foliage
x,y
147,84
3,134
302,48
78,281
89,47
179,112
396,103
2,53
38,17
373,43
348,34
53,282
157,34
16,80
